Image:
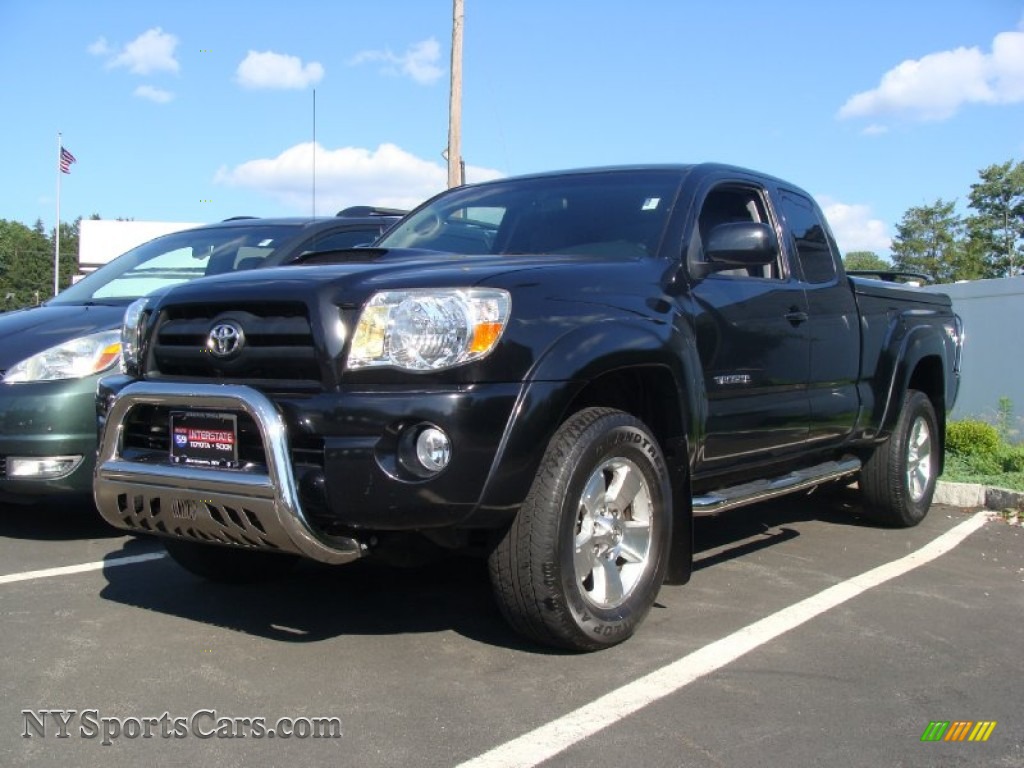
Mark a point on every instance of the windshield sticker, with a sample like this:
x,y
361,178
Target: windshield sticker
x,y
651,204
265,243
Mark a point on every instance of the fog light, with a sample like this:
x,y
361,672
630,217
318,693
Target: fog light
x,y
433,449
42,466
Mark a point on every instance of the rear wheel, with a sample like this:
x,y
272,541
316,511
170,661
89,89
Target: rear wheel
x,y
582,563
228,565
898,480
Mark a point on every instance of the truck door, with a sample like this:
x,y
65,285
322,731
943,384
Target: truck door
x,y
833,328
752,339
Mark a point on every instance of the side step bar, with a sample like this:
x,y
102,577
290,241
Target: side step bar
x,y
761,490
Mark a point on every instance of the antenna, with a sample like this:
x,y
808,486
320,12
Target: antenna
x,y
314,153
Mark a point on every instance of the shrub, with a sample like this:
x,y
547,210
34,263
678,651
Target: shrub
x,y
1013,459
972,438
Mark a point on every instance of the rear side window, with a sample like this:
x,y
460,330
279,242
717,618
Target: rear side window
x,y
340,241
809,239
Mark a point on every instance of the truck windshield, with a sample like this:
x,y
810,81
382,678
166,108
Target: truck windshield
x,y
176,258
605,213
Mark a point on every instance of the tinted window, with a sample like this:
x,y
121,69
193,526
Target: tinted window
x,y
808,231
339,241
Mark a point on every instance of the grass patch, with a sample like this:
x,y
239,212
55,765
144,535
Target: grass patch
x,y
964,469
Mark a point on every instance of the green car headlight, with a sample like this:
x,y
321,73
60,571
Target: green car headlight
x,y
84,356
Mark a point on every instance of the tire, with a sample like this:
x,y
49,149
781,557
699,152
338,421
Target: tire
x,y
898,480
579,569
228,565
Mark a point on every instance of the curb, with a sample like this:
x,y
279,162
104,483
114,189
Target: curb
x,y
975,495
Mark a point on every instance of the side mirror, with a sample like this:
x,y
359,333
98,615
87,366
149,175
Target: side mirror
x,y
741,244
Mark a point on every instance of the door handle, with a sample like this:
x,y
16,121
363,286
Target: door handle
x,y
797,316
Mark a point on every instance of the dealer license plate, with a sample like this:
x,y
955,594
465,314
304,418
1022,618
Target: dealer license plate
x,y
203,438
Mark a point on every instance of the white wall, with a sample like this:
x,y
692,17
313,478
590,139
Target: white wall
x,y
100,240
993,360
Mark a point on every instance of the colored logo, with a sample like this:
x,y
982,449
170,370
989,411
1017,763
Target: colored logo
x,y
958,730
180,439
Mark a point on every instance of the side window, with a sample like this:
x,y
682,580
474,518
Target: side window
x,y
727,204
808,230
339,241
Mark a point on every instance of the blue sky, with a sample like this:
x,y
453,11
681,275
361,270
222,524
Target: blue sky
x,y
196,111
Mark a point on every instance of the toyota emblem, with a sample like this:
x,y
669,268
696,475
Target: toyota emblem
x,y
225,339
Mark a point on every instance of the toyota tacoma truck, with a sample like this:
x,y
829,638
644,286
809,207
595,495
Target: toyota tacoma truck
x,y
557,371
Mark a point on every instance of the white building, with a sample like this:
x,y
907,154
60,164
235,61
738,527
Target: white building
x,y
101,240
993,361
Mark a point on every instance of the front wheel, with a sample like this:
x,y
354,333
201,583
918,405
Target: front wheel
x,y
228,565
898,480
583,561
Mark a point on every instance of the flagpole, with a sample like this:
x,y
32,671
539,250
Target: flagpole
x,y
56,231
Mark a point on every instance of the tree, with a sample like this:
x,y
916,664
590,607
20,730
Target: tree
x,y
996,229
868,261
26,262
929,239
26,265
68,254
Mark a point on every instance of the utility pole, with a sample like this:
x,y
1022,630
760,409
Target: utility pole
x,y
455,167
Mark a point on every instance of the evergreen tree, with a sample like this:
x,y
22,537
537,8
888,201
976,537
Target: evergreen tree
x,y
996,229
866,261
929,239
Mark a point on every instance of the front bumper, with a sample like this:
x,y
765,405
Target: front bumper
x,y
48,419
326,513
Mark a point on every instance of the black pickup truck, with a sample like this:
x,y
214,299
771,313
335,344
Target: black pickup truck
x,y
557,371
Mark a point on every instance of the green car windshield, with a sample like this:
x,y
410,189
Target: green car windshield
x,y
177,258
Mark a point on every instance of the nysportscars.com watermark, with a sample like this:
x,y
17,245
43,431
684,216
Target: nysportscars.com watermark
x,y
201,724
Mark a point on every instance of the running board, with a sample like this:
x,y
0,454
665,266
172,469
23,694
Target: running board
x,y
762,490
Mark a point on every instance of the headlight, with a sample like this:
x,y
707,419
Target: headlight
x,y
430,329
131,332
73,359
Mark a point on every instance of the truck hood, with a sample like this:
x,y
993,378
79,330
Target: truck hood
x,y
350,277
26,332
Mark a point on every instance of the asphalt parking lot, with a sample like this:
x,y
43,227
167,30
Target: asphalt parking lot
x,y
368,666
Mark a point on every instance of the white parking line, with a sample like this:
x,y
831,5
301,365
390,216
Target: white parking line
x,y
549,740
67,570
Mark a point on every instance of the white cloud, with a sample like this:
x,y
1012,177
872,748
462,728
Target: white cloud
x,y
152,51
936,86
158,95
387,176
99,47
267,69
418,62
854,228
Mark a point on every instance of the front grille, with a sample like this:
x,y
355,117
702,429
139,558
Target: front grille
x,y
278,347
146,432
3,466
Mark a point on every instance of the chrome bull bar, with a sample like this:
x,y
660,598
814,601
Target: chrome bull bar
x,y
231,507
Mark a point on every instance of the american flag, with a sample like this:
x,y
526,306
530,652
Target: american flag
x,y
66,159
